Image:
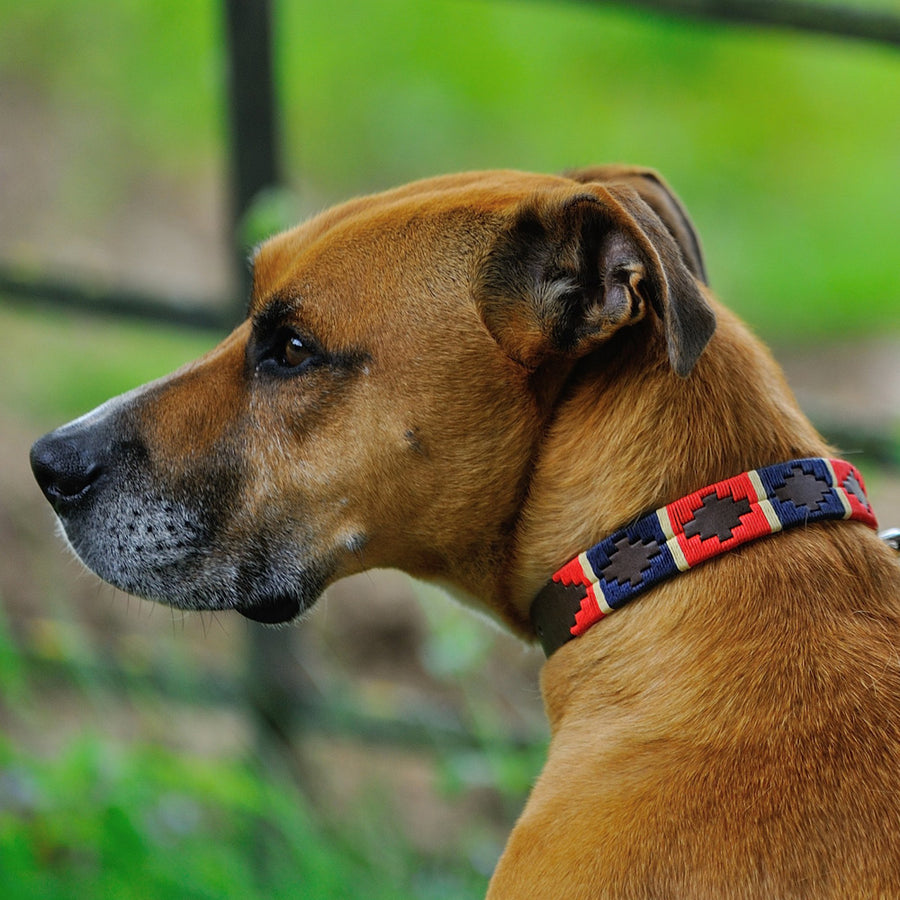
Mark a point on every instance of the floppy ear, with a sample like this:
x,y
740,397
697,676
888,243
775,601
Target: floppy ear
x,y
654,191
572,268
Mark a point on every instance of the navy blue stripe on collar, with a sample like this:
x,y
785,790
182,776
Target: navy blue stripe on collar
x,y
689,531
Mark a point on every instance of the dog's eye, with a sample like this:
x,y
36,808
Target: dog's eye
x,y
285,353
294,352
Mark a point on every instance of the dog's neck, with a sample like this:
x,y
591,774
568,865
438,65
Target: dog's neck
x,y
632,437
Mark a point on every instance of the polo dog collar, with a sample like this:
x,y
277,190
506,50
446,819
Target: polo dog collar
x,y
690,531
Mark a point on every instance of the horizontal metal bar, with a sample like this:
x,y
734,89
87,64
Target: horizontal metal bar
x,y
833,19
115,302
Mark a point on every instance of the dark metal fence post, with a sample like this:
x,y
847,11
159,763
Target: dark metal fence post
x,y
255,163
273,677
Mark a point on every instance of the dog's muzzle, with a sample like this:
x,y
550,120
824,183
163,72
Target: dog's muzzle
x,y
121,523
163,540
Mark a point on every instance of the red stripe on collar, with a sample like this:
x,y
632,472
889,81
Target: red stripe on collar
x,y
690,531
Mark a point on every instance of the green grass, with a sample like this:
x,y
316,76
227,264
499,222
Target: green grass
x,y
140,822
100,817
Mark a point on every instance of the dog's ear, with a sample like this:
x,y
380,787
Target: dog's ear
x,y
573,267
654,191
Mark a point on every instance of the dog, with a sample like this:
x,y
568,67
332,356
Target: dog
x,y
520,386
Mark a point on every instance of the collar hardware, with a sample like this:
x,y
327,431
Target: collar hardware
x,y
892,538
690,531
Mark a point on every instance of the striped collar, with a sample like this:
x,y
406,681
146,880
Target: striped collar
x,y
689,531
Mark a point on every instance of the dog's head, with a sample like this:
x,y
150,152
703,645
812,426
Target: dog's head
x,y
384,401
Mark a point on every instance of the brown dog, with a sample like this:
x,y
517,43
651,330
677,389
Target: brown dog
x,y
474,379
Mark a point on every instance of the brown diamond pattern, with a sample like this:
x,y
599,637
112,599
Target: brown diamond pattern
x,y
630,560
852,486
718,517
802,489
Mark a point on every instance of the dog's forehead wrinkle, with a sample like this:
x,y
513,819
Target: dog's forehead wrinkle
x,y
270,312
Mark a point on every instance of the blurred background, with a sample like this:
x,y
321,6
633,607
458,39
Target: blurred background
x,y
385,747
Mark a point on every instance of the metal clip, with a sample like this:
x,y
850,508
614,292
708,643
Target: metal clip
x,y
892,538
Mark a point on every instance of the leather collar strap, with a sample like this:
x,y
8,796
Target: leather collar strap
x,y
689,531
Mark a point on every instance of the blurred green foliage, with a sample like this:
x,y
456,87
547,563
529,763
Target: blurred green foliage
x,y
104,821
784,146
143,79
93,817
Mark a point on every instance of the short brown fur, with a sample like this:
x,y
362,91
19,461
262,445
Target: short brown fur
x,y
516,366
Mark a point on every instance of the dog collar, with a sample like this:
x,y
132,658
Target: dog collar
x,y
690,531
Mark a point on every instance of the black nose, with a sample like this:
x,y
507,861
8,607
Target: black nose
x,y
64,469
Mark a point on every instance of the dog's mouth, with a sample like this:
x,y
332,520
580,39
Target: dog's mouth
x,y
272,611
